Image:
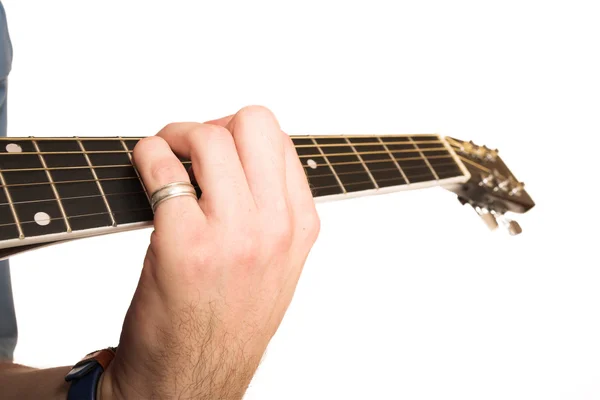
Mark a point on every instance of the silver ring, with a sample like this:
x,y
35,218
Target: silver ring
x,y
170,191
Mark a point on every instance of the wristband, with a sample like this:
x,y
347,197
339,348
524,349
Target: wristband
x,y
84,375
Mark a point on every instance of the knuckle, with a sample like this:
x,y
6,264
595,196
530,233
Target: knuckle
x,y
164,170
147,145
246,249
279,234
311,226
213,134
255,112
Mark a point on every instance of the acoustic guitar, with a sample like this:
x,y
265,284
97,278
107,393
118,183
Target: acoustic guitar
x,y
64,188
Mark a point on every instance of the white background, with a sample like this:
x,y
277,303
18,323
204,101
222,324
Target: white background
x,y
405,296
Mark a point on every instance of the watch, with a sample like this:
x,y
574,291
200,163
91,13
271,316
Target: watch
x,y
84,375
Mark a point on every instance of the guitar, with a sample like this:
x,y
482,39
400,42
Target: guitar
x,y
60,189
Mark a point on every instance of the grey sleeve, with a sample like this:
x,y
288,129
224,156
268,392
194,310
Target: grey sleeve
x,y
8,322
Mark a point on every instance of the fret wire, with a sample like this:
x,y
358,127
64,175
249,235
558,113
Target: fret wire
x,y
363,163
135,169
394,159
148,208
100,188
49,175
425,158
131,151
330,167
12,207
312,176
189,162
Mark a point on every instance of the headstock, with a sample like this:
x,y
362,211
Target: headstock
x,y
492,189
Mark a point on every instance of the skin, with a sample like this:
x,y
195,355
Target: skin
x,y
219,273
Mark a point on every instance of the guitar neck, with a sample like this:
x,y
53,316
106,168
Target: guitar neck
x,y
55,189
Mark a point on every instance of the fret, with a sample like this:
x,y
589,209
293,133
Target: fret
x,y
424,158
100,189
53,187
394,160
408,158
345,163
132,143
363,163
379,162
337,178
47,212
440,158
10,227
321,177
126,197
77,187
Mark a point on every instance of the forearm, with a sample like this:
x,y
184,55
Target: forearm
x,y
23,383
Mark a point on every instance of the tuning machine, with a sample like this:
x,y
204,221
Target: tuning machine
x,y
493,219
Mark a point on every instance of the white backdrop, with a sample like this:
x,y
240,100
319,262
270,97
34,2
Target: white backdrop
x,y
405,296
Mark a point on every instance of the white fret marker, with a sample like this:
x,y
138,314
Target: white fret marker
x,y
311,163
41,218
13,148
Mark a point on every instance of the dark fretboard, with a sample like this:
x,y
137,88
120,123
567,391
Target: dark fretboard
x,y
56,188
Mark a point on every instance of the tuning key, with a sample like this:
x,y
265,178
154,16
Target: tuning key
x,y
488,218
514,228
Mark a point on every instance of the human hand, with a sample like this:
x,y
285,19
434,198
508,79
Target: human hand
x,y
220,272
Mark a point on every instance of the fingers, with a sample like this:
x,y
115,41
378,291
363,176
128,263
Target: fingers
x,y
216,166
301,199
259,142
158,166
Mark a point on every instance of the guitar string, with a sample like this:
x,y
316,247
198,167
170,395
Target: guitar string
x,y
307,167
120,151
433,136
447,154
344,174
84,167
148,208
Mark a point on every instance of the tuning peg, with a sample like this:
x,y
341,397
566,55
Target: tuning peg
x,y
481,152
514,228
492,155
488,218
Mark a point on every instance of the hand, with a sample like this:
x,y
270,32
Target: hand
x,y
220,272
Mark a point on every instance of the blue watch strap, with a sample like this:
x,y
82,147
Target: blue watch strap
x,y
85,375
84,388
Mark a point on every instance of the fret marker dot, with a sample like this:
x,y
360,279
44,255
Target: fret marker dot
x,y
13,148
311,163
41,218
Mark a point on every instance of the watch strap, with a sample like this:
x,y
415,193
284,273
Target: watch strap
x,y
84,375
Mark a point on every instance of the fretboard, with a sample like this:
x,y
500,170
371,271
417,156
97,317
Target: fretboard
x,y
54,189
